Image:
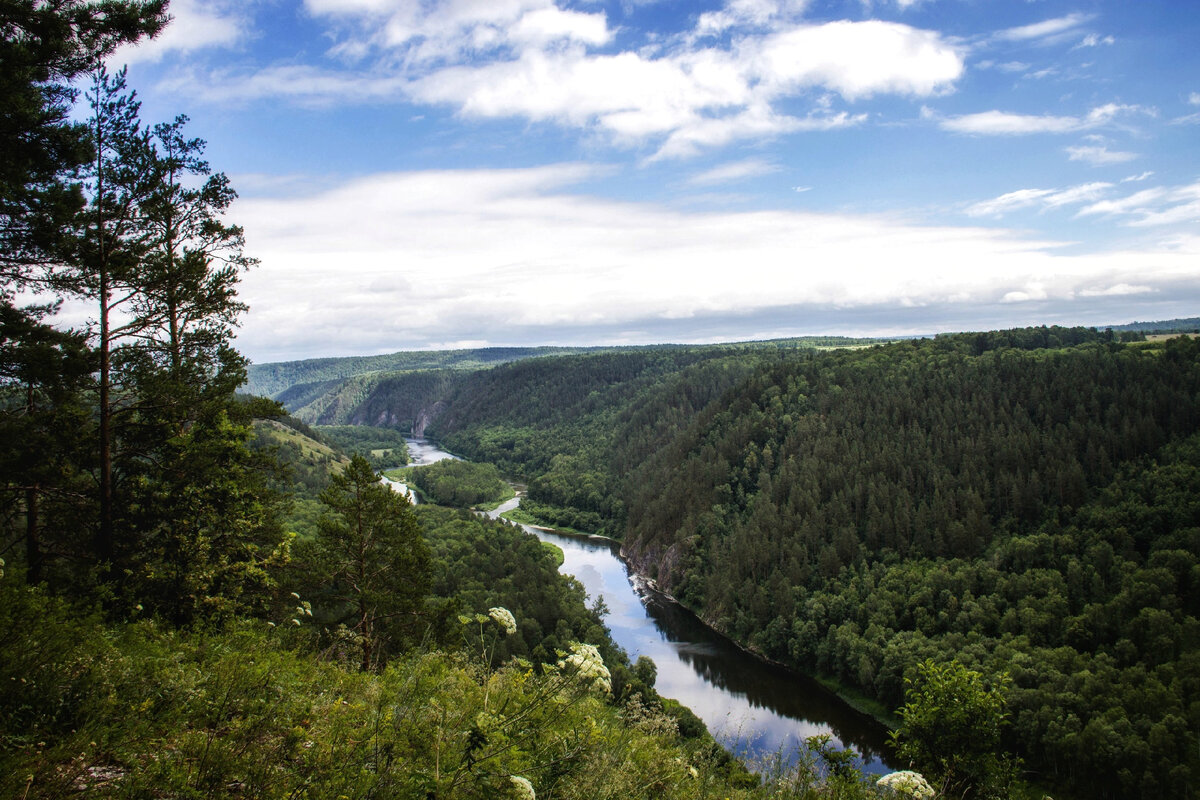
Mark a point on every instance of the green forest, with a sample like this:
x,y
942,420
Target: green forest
x,y
462,484
1022,502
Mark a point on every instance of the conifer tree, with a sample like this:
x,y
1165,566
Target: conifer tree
x,y
372,556
44,46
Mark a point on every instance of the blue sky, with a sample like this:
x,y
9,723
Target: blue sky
x,y
457,173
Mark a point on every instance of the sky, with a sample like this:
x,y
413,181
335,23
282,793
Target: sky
x,y
431,174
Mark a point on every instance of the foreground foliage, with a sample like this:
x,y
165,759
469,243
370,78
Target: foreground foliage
x,y
248,710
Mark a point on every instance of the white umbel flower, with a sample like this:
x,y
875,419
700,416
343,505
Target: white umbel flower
x,y
504,618
522,788
586,663
908,784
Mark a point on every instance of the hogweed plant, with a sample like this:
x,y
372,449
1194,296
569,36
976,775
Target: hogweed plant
x,y
487,635
505,743
907,783
522,788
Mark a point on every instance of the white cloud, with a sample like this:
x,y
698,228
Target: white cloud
x,y
1045,198
1047,29
859,59
195,25
534,60
1012,201
1132,204
1154,207
1190,119
756,122
476,255
705,97
552,24
1003,123
742,13
1117,290
733,171
1012,66
301,84
1099,155
1094,40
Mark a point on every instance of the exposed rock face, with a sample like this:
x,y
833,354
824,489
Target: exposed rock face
x,y
425,416
663,567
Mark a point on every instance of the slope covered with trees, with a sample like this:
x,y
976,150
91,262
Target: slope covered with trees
x,y
855,515
1022,501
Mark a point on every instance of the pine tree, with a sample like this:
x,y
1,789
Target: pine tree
x,y
372,556
44,46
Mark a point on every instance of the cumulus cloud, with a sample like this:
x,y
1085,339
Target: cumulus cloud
x,y
196,25
448,256
535,60
702,97
858,59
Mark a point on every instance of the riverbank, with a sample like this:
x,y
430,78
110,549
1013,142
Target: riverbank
x,y
863,704
758,709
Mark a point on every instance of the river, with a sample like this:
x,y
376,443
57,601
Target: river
x,y
754,708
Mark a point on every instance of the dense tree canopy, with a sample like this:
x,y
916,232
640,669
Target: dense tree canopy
x,y
1020,501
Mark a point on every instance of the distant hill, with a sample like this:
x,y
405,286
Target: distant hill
x,y
272,378
298,383
1184,325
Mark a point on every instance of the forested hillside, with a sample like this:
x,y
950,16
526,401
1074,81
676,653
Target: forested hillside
x,y
1027,502
1028,511
321,374
270,379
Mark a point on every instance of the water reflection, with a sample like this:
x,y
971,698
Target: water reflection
x,y
422,452
755,708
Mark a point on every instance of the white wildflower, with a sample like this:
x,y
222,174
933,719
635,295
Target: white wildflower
x,y
586,663
504,619
295,595
522,788
907,784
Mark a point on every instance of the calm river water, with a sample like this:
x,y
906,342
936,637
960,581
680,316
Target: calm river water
x,y
755,708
